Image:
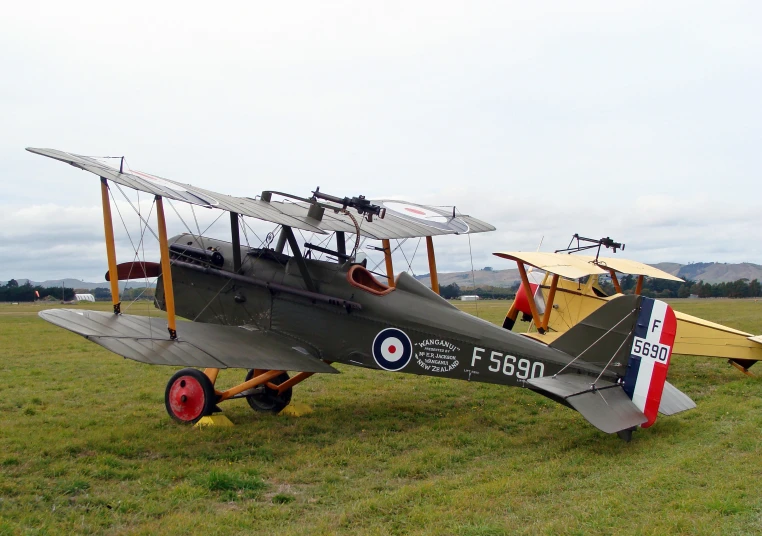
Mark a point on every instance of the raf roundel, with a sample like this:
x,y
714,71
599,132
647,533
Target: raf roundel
x,y
392,349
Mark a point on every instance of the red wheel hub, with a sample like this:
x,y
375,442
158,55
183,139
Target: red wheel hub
x,y
186,398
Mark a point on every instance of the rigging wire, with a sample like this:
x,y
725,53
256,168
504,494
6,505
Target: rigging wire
x,y
148,227
215,221
142,244
229,279
610,360
198,228
471,255
136,210
473,274
243,219
198,239
137,255
410,262
399,245
596,342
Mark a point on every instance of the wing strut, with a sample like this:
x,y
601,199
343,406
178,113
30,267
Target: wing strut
x,y
297,253
432,265
615,281
532,305
236,237
166,270
639,286
388,258
108,228
549,304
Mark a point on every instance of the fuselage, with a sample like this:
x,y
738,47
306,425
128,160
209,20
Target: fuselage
x,y
405,329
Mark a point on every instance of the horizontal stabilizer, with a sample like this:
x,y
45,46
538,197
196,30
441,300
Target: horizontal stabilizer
x,y
145,339
673,400
607,407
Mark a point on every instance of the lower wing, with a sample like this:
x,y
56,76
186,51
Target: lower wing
x,y
202,345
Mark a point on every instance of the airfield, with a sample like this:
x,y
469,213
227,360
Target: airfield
x,y
86,446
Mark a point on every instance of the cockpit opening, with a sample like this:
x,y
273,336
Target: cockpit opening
x,y
359,276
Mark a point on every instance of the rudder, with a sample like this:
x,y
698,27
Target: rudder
x,y
650,355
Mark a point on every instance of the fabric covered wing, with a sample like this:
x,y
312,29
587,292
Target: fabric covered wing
x,y
569,266
145,339
403,220
608,407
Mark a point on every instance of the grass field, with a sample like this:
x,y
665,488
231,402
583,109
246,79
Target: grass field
x,y
87,447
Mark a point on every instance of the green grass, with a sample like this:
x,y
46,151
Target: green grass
x,y
86,447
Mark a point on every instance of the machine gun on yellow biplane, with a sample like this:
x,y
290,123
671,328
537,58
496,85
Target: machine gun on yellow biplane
x,y
270,311
568,290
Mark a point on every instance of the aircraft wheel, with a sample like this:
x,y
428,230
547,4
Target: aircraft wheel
x,y
267,399
189,396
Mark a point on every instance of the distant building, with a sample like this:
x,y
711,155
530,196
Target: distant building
x,y
469,298
84,297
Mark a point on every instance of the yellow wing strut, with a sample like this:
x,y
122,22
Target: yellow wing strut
x,y
108,228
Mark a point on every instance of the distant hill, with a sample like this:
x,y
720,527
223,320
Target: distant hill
x,y
720,272
709,272
483,278
76,283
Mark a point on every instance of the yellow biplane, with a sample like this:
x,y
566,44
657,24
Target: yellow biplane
x,y
569,290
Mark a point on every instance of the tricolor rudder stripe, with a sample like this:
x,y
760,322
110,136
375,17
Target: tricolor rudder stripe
x,y
651,351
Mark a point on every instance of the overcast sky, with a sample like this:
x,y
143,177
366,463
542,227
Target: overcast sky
x,y
638,120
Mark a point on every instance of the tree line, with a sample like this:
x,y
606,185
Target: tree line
x,y
13,292
660,288
453,290
652,288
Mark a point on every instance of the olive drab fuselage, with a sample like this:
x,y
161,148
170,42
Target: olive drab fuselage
x,y
408,329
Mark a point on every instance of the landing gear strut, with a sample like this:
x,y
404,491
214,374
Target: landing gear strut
x,y
266,399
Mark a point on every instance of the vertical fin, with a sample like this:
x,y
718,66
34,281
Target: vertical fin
x,y
650,355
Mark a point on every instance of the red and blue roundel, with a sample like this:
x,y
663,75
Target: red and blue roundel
x,y
392,349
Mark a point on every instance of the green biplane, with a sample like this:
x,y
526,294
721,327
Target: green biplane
x,y
268,311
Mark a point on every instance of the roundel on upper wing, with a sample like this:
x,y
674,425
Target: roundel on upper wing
x,y
392,349
426,216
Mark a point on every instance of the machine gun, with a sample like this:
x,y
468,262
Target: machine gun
x,y
362,205
591,244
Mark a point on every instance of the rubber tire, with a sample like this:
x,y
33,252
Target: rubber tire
x,y
209,401
270,401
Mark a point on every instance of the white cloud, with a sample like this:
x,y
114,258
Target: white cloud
x,y
50,241
639,121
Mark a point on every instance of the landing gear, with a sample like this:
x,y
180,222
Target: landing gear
x,y
189,396
266,399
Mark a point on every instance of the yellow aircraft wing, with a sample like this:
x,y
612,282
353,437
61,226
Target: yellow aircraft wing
x,y
569,266
627,266
696,336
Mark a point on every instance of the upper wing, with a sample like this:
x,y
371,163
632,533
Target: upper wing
x,y
145,339
628,266
565,265
402,220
